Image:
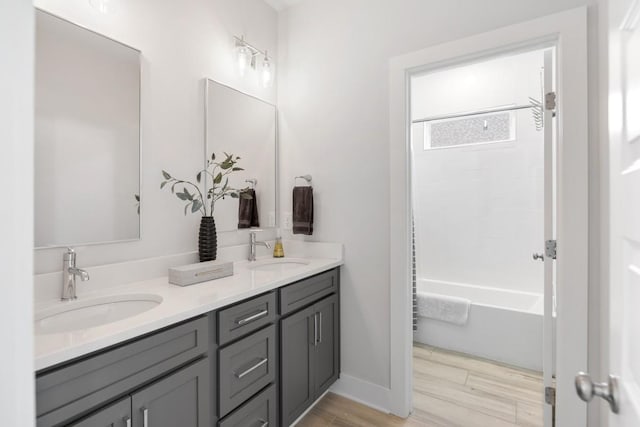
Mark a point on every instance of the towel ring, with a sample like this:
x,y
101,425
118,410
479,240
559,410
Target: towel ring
x,y
305,177
252,181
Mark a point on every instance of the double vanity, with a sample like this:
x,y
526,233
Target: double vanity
x,y
254,349
257,348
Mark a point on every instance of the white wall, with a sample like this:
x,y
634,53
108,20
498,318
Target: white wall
x,y
479,209
181,43
334,125
16,215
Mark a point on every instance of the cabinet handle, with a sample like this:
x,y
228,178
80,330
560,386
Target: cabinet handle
x,y
315,329
145,417
127,421
252,317
251,369
320,328
264,423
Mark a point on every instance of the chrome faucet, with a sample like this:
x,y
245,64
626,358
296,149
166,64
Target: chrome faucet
x,y
253,244
69,274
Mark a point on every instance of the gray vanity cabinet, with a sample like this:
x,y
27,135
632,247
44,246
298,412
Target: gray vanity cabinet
x,y
116,415
138,369
248,362
246,367
296,361
181,399
260,362
259,411
327,355
309,347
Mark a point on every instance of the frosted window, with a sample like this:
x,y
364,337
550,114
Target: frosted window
x,y
479,129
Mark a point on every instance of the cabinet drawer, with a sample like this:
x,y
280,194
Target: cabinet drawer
x,y
246,317
115,415
307,291
259,411
86,384
246,367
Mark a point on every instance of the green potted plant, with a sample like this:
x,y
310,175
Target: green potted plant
x,y
196,201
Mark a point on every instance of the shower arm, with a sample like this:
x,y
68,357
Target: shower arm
x,y
473,113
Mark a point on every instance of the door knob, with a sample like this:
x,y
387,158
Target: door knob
x,y
538,257
609,391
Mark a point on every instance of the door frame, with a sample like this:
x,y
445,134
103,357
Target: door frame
x,y
568,32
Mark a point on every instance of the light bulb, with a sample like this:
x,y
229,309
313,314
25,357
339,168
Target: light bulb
x,y
267,72
243,59
103,6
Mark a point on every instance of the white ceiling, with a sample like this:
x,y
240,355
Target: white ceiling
x,y
281,4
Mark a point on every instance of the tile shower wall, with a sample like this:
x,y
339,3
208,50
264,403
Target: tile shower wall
x,y
479,208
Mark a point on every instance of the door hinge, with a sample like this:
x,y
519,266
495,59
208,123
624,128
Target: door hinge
x,y
550,101
551,248
550,395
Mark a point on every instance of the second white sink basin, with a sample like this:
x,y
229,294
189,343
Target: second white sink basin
x,y
282,264
89,313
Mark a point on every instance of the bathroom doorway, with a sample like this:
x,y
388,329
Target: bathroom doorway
x,y
482,150
566,32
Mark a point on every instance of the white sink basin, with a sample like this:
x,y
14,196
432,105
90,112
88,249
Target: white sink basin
x,y
89,313
283,264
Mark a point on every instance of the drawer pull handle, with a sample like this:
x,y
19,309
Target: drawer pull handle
x,y
145,417
251,369
320,328
264,423
127,420
253,317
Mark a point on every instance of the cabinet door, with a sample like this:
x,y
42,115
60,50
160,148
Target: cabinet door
x,y
327,349
181,399
296,360
116,415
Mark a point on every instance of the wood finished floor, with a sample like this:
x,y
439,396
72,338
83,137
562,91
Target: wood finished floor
x,y
450,389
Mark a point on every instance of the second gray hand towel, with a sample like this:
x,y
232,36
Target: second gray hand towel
x,y
248,210
303,210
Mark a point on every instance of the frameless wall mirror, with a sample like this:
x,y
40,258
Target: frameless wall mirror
x,y
239,124
87,136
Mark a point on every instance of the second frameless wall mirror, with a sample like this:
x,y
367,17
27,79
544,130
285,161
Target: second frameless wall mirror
x,y
241,125
87,136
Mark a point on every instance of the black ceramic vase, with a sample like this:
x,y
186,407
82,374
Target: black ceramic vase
x,y
207,239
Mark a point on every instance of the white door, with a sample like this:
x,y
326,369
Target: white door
x,y
624,136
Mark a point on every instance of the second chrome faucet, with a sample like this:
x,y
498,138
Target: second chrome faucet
x,y
252,245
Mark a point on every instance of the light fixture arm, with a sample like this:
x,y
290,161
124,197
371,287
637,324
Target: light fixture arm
x,y
240,41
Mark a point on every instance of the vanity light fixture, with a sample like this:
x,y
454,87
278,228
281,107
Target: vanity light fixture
x,y
247,54
267,72
242,55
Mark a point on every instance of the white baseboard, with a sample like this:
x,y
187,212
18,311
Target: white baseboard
x,y
372,395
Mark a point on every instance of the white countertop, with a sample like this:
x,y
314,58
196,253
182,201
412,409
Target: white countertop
x,y
178,304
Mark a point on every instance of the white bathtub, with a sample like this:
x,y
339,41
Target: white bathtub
x,y
503,325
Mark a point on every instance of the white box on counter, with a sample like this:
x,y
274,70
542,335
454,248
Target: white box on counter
x,y
200,272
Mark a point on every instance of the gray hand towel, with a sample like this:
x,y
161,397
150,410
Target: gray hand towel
x,y
248,210
303,210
